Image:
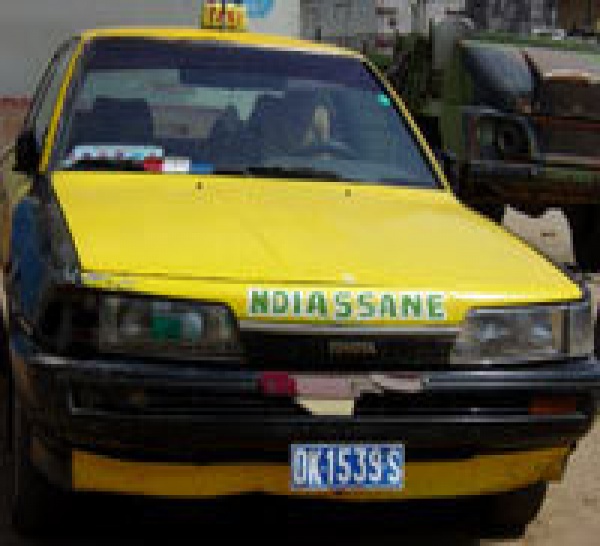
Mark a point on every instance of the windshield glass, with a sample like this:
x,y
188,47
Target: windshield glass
x,y
501,73
209,108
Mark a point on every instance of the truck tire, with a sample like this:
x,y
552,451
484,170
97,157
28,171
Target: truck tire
x,y
34,503
511,512
585,232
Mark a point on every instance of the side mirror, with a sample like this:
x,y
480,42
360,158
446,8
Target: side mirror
x,y
449,162
27,153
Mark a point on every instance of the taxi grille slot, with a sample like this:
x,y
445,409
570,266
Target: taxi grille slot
x,y
170,401
305,353
174,402
441,404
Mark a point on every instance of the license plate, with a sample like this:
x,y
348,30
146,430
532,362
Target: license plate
x,y
347,467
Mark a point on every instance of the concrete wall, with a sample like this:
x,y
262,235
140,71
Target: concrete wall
x,y
356,23
31,29
284,19
512,15
425,11
401,16
344,22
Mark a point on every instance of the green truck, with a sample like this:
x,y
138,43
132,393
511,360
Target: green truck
x,y
515,119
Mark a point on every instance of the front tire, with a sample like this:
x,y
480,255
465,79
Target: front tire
x,y
512,512
35,504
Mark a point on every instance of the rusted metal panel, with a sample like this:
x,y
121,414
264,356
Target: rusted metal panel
x,y
557,64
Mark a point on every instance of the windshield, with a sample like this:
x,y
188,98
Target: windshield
x,y
207,108
501,73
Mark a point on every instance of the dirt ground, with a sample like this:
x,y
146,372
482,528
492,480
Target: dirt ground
x,y
571,515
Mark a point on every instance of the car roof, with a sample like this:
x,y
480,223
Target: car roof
x,y
241,38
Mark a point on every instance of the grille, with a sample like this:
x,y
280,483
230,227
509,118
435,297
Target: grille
x,y
572,128
440,404
171,401
575,139
300,353
188,401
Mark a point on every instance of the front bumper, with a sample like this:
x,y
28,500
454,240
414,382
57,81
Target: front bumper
x,y
194,444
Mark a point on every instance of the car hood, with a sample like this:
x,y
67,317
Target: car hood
x,y
281,232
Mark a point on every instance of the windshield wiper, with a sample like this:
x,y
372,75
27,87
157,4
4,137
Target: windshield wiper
x,y
295,172
285,172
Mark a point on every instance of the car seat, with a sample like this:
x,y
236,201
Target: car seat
x,y
114,121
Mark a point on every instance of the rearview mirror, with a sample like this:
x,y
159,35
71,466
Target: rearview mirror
x,y
27,153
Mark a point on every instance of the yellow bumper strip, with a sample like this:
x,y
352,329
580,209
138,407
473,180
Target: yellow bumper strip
x,y
479,475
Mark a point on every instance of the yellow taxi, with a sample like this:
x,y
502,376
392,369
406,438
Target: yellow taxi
x,y
233,265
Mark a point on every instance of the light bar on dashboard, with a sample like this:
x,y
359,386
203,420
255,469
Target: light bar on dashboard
x,y
175,165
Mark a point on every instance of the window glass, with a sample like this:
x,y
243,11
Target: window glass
x,y
241,109
48,96
500,73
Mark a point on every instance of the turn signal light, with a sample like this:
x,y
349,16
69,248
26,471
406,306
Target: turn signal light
x,y
553,405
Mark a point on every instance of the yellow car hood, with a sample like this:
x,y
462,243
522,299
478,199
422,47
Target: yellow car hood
x,y
298,233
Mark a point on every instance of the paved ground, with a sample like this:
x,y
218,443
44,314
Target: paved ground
x,y
570,515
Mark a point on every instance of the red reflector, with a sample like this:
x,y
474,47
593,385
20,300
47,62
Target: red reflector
x,y
553,406
153,164
277,384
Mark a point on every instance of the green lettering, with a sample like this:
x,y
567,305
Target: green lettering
x,y
388,306
343,305
317,304
366,305
259,302
297,304
412,306
435,307
280,302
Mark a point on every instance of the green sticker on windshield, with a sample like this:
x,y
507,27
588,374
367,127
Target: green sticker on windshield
x,y
384,100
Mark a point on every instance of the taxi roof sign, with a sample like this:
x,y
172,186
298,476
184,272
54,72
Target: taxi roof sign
x,y
234,17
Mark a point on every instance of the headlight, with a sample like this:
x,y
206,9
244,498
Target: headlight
x,y
524,334
165,328
512,141
500,138
82,322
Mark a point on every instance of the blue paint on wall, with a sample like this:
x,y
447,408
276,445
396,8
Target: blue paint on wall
x,y
259,9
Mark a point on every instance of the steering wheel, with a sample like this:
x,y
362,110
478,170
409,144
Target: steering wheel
x,y
332,147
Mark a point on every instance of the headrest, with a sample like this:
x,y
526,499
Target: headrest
x,y
123,119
